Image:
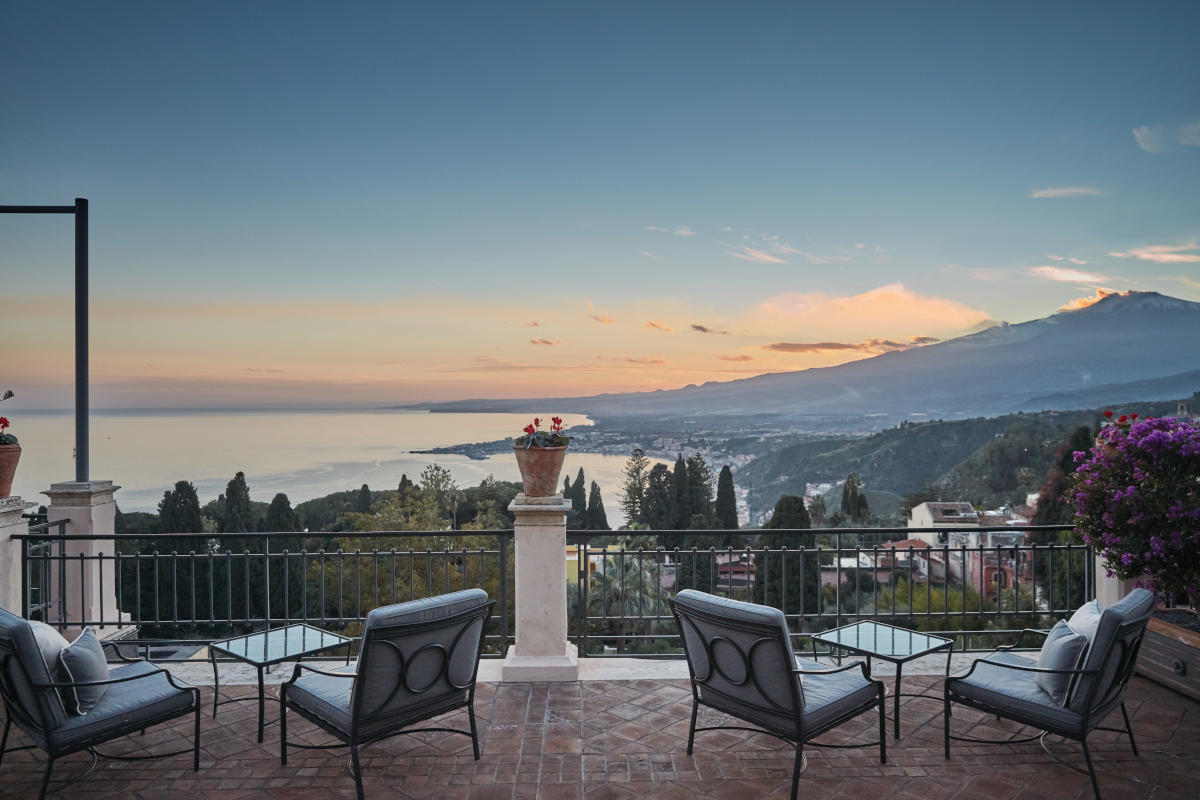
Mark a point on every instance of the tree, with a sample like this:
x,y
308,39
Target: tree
x,y
659,510
700,493
280,516
438,480
792,580
850,490
579,495
726,507
362,501
683,495
597,520
633,487
179,510
236,515
405,484
816,510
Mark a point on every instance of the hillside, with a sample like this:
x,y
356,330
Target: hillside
x,y
1141,341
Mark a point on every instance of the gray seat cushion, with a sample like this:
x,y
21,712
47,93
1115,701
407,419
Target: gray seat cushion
x,y
1014,691
828,697
125,707
326,697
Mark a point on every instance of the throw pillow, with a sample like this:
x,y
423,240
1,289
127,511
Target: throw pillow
x,y
1086,619
82,661
1063,649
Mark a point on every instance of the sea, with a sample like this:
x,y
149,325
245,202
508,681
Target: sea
x,y
304,454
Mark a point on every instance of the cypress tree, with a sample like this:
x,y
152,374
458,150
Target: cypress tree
x,y
726,508
406,485
597,520
179,510
803,586
700,497
659,509
280,516
362,501
236,516
579,495
683,496
850,495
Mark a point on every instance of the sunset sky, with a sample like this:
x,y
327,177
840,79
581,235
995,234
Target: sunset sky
x,y
367,203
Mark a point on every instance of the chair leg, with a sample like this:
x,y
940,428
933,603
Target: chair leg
x,y
283,726
474,733
799,765
196,737
4,741
1091,768
357,771
46,778
1128,728
692,727
946,723
882,729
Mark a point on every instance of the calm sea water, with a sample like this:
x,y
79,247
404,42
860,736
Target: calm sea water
x,y
304,454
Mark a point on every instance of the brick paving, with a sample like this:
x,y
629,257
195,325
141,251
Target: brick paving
x,y
614,740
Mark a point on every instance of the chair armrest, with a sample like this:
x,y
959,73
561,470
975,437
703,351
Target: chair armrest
x,y
116,646
1020,636
302,667
1019,668
111,681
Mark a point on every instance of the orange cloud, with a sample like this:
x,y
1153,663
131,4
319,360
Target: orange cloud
x,y
543,342
1089,300
658,326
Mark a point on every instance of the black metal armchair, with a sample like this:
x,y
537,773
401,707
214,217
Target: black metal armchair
x,y
741,663
138,695
418,661
1006,684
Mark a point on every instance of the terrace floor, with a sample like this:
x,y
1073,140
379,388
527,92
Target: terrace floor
x,y
611,740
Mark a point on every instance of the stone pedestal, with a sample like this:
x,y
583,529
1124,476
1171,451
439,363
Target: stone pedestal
x,y
541,652
90,509
11,522
1109,590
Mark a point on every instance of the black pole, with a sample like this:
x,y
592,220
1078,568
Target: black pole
x,y
82,451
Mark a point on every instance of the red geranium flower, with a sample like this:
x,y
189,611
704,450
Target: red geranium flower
x,y
528,429
1108,414
3,423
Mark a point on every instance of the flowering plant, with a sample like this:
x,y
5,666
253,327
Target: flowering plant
x,y
534,436
1137,502
6,438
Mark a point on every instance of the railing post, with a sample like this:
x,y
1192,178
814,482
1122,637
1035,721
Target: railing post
x,y
89,508
541,651
12,577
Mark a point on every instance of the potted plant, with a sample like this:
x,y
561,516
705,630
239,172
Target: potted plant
x,y
540,455
10,454
1137,503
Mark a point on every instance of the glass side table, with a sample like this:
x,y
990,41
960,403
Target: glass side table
x,y
896,645
263,649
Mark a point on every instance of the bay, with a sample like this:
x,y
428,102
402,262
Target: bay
x,y
304,454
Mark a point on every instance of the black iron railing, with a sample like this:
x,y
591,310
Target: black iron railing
x,y
200,587
826,578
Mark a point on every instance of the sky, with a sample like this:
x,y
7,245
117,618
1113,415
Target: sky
x,y
306,204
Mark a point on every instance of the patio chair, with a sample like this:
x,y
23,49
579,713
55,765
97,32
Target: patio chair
x,y
1043,693
418,661
741,663
135,696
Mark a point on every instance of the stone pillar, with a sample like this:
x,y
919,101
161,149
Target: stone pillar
x,y
11,522
1109,590
90,509
541,652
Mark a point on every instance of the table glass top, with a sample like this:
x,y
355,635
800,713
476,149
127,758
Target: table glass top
x,y
882,640
279,644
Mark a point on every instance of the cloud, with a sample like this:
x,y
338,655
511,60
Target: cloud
x,y
543,342
918,341
1165,138
1077,260
658,326
868,346
757,256
263,369
1064,191
1064,275
681,230
646,360
1088,300
739,357
533,324
705,329
1163,253
603,320
650,255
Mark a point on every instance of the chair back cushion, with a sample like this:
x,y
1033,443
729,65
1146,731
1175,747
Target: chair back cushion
x,y
419,654
740,655
1062,649
1111,651
82,661
21,667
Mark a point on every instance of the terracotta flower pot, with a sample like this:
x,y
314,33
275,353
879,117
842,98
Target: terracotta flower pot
x,y
10,454
539,469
